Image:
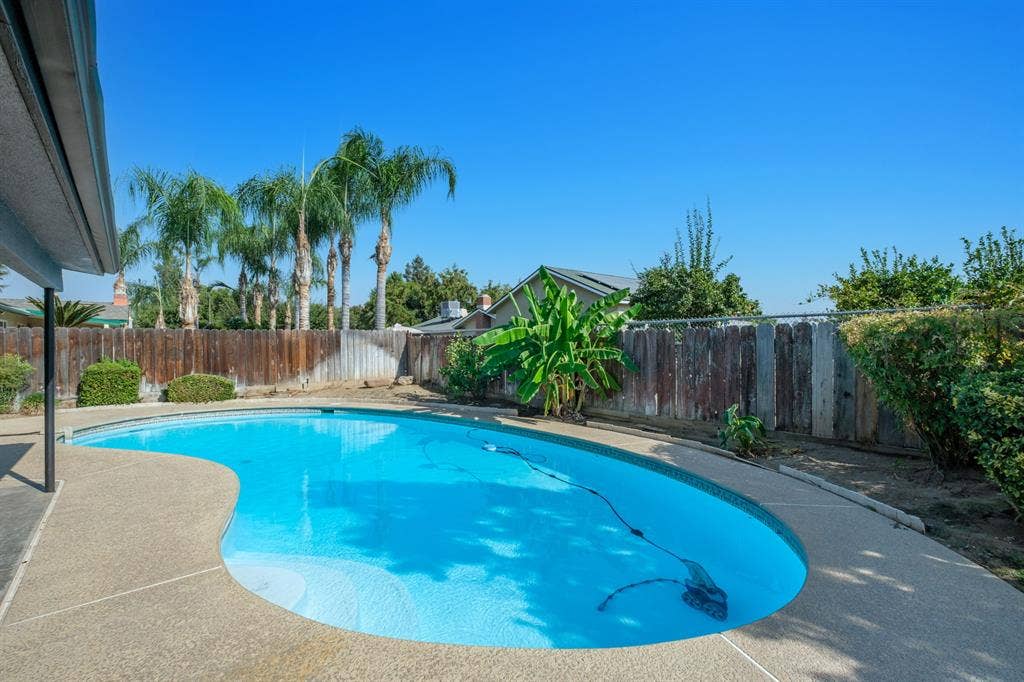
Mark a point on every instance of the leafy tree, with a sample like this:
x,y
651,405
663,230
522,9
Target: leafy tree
x,y
495,289
561,350
392,180
69,313
689,282
885,279
187,211
454,285
994,269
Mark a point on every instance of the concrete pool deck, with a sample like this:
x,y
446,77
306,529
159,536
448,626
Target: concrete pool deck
x,y
126,581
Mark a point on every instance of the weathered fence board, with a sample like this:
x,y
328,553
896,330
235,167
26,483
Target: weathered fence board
x,y
248,357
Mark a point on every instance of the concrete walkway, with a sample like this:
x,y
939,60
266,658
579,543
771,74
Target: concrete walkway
x,y
126,581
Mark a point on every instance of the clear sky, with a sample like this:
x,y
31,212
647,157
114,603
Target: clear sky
x,y
583,133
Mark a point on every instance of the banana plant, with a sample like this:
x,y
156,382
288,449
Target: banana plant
x,y
560,349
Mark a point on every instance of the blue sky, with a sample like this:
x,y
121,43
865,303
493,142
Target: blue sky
x,y
583,133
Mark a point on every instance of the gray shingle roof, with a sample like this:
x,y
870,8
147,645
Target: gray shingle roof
x,y
23,306
605,284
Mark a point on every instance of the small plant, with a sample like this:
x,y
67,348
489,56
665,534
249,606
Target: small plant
x,y
746,431
990,411
69,313
110,382
32,404
14,376
200,388
464,372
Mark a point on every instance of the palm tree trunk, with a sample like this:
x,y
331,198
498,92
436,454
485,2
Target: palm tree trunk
x,y
288,314
345,246
382,255
332,263
272,293
243,284
257,305
188,300
303,270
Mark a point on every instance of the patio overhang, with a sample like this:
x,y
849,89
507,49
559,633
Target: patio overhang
x,y
56,208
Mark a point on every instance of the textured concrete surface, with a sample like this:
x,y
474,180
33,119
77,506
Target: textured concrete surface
x,y
21,508
127,582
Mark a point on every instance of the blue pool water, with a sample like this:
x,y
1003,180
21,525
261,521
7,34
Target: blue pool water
x,y
443,532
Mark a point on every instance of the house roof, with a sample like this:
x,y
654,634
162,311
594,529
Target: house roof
x,y
599,283
111,314
439,325
56,207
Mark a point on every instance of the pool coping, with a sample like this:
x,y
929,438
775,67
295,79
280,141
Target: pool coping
x,y
851,620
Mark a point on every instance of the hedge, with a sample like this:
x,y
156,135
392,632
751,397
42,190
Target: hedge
x,y
14,376
200,388
109,382
990,410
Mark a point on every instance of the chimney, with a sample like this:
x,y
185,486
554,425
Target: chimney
x,y
483,302
120,292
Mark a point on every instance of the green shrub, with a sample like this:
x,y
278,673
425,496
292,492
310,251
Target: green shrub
x,y
990,412
464,372
916,360
32,404
747,431
14,376
200,388
109,382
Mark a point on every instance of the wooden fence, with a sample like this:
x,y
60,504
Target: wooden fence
x,y
248,357
797,378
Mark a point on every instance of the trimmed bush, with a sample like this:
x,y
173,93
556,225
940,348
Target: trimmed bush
x,y
200,388
32,404
109,382
463,373
917,360
990,412
14,376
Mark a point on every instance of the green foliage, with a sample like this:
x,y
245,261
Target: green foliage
x,y
32,404
109,382
14,376
746,431
916,361
464,372
69,313
994,269
879,281
416,294
689,282
560,350
989,408
200,388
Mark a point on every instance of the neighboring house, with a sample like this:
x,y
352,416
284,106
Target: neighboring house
x,y
18,312
589,286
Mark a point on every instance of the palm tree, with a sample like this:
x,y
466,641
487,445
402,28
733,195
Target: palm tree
x,y
247,245
267,199
134,250
393,180
69,313
348,177
314,205
187,211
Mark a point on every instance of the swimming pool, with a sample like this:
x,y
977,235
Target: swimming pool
x,y
448,530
